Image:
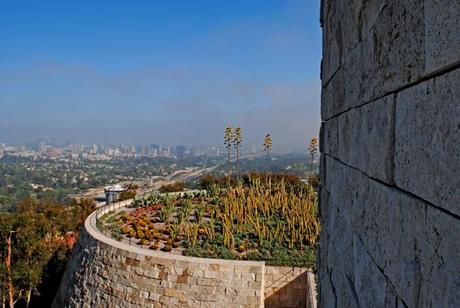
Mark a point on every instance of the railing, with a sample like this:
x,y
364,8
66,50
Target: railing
x,y
106,209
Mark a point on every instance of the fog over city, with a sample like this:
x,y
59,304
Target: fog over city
x,y
91,75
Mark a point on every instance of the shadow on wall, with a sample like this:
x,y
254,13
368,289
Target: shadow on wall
x,y
289,294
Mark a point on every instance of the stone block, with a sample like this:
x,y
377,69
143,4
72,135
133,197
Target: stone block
x,y
333,96
442,34
207,281
346,23
407,238
331,59
364,138
387,222
366,274
174,293
205,297
245,292
348,275
248,276
440,261
427,136
389,55
336,240
242,269
212,274
396,45
226,267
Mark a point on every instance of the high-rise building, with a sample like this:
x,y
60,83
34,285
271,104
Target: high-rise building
x,y
180,151
143,150
41,146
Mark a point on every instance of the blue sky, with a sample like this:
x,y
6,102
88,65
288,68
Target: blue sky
x,y
165,72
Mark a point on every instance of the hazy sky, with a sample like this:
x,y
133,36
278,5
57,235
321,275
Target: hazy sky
x,y
167,72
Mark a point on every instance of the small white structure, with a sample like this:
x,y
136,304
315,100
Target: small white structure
x,y
112,193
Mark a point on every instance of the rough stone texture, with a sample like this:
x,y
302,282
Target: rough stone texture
x,y
396,230
390,166
427,157
364,138
103,272
442,32
392,37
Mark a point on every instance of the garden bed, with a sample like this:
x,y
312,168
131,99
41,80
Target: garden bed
x,y
257,220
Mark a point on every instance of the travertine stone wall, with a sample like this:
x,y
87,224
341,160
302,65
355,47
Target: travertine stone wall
x,y
103,273
390,143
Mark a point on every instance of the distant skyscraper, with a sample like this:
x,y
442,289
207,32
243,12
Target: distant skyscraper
x,y
180,151
143,150
41,146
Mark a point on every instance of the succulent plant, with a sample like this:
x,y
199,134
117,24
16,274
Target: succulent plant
x,y
155,246
143,242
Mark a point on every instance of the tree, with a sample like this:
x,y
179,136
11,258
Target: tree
x,y
313,149
267,146
25,257
129,193
237,140
30,238
228,138
6,272
173,187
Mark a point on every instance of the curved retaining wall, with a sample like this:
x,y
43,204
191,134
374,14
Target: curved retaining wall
x,y
103,272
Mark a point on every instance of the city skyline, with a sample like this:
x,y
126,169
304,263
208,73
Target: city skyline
x,y
117,80
48,147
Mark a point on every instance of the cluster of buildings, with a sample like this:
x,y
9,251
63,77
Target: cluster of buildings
x,y
49,149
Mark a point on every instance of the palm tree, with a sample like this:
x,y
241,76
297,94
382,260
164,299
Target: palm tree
x,y
313,149
228,138
267,146
237,140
